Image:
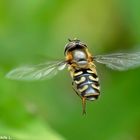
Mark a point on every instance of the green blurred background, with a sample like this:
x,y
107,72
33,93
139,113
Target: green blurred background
x,y
32,31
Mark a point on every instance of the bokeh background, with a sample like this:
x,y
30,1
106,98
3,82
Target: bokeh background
x,y
32,31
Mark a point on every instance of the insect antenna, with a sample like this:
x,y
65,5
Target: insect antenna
x,y
73,40
84,105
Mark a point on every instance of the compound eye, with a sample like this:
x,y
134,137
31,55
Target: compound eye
x,y
82,44
72,44
68,46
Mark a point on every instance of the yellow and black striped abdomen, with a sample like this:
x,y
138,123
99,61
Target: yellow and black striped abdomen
x,y
86,84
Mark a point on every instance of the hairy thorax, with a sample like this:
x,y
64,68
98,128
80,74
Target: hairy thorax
x,y
80,58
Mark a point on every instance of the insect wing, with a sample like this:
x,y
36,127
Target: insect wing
x,y
37,72
119,61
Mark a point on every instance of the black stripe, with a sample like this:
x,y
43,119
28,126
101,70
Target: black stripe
x,y
92,96
97,90
96,83
85,74
83,70
81,75
94,75
83,84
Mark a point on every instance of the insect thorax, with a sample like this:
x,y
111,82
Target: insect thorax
x,y
78,57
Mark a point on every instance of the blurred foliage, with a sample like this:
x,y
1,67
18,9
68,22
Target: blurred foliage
x,y
34,30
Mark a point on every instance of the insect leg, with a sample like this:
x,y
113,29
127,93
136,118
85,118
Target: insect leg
x,y
75,90
83,100
84,105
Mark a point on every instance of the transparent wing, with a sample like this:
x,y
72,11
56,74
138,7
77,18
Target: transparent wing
x,y
37,72
119,61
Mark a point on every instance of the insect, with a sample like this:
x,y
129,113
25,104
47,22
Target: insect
x,y
80,63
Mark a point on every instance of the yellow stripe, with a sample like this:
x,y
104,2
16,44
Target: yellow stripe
x,y
78,73
83,88
86,95
94,86
92,78
82,79
89,71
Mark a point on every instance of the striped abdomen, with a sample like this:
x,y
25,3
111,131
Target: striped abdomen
x,y
86,84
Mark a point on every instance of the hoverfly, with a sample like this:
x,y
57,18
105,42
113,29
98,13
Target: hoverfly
x,y
80,64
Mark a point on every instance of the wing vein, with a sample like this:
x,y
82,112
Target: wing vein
x,y
119,61
37,72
